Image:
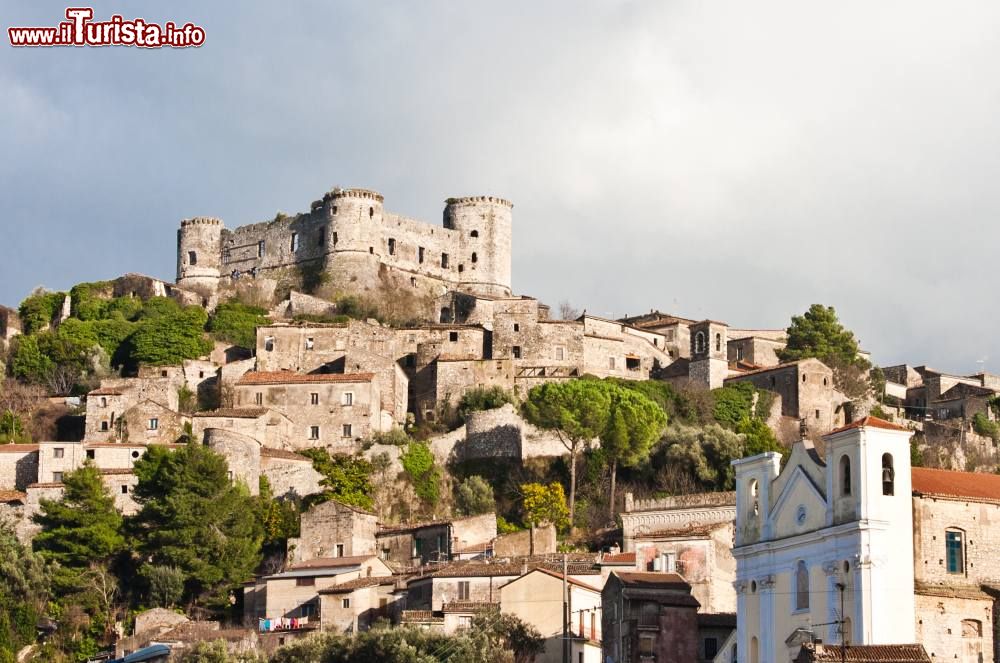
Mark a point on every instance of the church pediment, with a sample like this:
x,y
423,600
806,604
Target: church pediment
x,y
800,507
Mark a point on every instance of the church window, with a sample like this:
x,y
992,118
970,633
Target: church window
x,y
474,233
955,551
754,652
801,586
845,475
192,258
699,342
888,475
754,504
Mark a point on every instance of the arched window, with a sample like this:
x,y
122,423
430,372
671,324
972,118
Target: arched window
x,y
801,586
754,653
845,475
718,342
474,233
954,544
699,342
754,503
888,475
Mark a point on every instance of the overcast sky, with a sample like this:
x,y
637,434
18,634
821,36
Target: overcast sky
x,y
734,160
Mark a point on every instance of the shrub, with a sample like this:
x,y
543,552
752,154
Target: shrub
x,y
484,398
983,426
418,462
545,504
396,437
474,496
236,323
39,310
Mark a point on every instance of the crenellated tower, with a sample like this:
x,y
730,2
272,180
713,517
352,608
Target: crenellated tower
x,y
199,252
483,226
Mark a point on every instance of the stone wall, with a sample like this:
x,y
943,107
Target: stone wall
x,y
18,466
533,541
956,626
289,475
327,525
242,454
148,423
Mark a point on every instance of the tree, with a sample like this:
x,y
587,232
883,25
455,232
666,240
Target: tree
x,y
545,504
418,463
474,496
24,593
167,337
705,452
483,398
818,333
346,479
577,411
81,529
634,424
567,311
236,322
194,518
39,310
165,585
508,633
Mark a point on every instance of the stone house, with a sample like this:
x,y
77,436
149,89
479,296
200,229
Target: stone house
x,y
537,599
649,617
818,652
691,535
269,427
326,409
807,393
355,605
758,351
18,466
333,529
294,592
436,541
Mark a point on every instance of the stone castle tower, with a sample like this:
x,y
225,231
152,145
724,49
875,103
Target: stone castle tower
x,y
709,354
350,237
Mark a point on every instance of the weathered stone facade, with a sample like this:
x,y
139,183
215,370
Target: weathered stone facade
x,y
333,529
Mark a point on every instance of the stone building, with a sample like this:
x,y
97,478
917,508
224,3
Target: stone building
x,y
649,617
356,605
269,427
806,390
333,529
436,541
328,410
349,237
10,326
18,466
691,535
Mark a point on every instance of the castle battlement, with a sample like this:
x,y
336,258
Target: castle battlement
x,y
201,221
354,193
478,200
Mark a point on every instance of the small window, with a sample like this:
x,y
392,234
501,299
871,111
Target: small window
x,y
772,380
803,378
371,250
392,246
632,363
314,432
321,237
260,249
371,212
295,242
560,353
413,281
347,432
347,398
461,268
474,258
420,254
845,475
192,258
310,343
611,363
314,399
824,382
58,452
258,398
711,648
90,454
104,402
801,586
305,582
516,351
463,590
346,603
517,327
453,336
955,551
444,261
57,477
474,233
135,454
163,374
888,475
817,414
154,424
335,238
340,550
268,343
124,489
718,342
699,343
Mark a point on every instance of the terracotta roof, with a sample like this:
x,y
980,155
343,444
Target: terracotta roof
x,y
50,484
12,496
949,483
619,558
870,422
267,452
330,562
235,412
469,606
864,654
653,580
105,391
358,583
18,448
779,367
569,580
290,377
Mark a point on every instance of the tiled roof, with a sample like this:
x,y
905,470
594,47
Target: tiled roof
x,y
290,377
358,583
948,483
421,616
779,367
235,412
469,606
18,448
864,654
870,422
571,581
643,580
12,496
268,452
330,562
106,391
619,558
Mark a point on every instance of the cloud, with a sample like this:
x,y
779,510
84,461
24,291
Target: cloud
x,y
733,160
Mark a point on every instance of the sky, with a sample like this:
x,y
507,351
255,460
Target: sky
x,y
733,160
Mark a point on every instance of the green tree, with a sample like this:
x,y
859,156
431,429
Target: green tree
x,y
418,463
12,428
634,423
24,593
28,362
818,333
474,496
81,529
346,479
545,504
484,398
705,453
39,310
164,585
167,336
195,519
577,410
236,322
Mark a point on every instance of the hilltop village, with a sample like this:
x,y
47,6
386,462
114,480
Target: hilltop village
x,y
374,381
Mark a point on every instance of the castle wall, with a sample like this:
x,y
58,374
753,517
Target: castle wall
x,y
289,477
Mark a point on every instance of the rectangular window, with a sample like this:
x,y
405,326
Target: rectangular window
x,y
560,353
58,452
346,603
711,647
295,242
314,399
314,432
154,424
517,327
955,553
817,414
90,454
258,398
321,237
516,351
260,249
444,261
420,254
310,343
104,425
452,336
392,246
305,582
646,646
57,477
335,239
124,489
463,590
347,398
347,430
268,343
611,363
340,550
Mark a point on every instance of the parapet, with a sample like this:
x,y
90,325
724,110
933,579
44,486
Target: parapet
x,y
353,193
201,221
479,200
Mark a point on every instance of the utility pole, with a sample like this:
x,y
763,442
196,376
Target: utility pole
x,y
565,636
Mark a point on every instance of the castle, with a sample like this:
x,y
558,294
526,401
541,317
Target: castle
x,y
349,238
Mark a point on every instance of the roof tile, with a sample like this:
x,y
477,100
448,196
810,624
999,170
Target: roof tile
x,y
290,377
